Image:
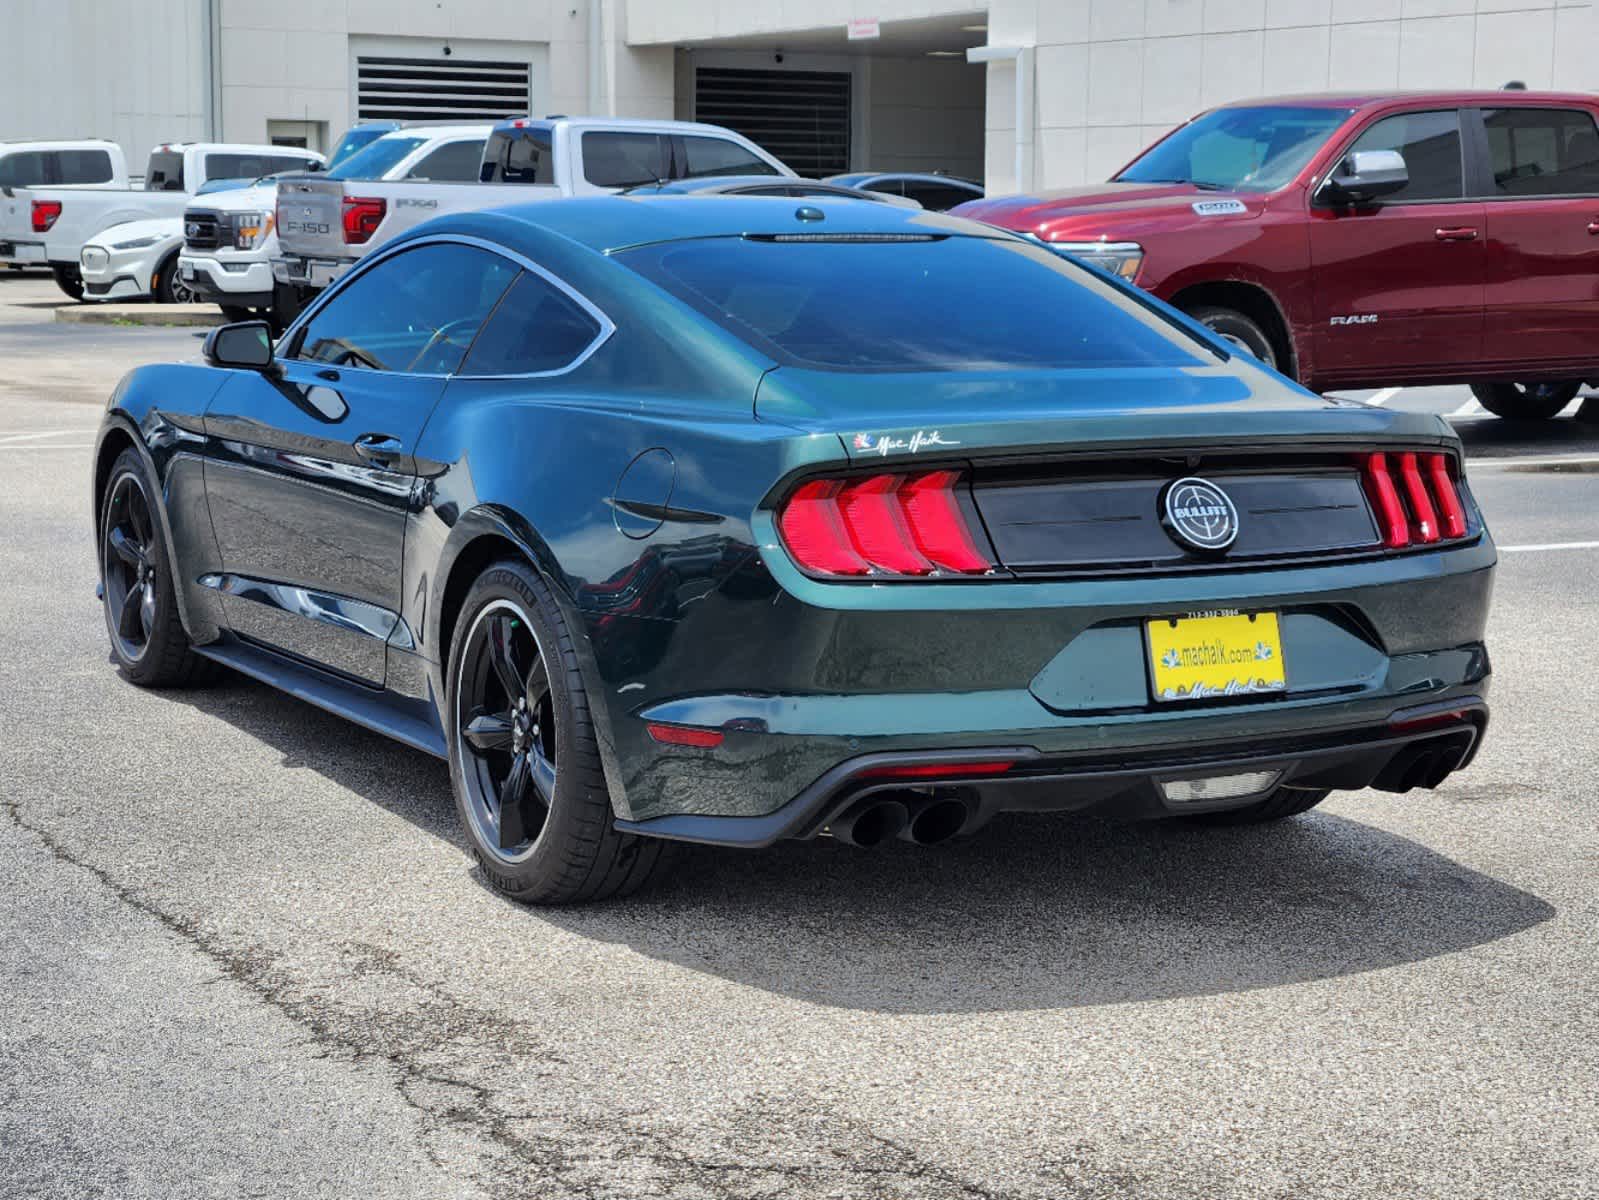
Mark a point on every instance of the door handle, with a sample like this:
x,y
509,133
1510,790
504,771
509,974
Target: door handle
x,y
379,449
1593,228
1458,233
329,374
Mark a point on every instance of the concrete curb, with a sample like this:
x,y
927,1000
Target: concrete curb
x,y
197,315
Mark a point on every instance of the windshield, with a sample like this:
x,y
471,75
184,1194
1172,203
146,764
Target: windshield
x,y
958,303
1239,149
354,140
376,160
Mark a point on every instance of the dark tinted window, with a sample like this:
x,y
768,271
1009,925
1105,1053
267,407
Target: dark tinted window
x,y
25,168
957,303
1430,142
416,312
521,157
1543,151
1239,149
164,172
704,156
537,327
454,162
624,159
78,166
939,196
252,166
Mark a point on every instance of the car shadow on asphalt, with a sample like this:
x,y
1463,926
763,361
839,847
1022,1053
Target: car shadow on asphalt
x,y
1031,912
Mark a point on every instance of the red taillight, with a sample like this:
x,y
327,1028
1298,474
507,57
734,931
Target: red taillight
x,y
937,770
362,216
1414,498
1426,520
1385,498
45,213
1451,513
813,529
905,525
877,526
683,735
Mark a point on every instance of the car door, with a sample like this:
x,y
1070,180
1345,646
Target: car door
x,y
310,473
1398,282
1542,188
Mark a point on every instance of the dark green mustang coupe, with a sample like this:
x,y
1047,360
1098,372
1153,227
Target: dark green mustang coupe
x,y
739,520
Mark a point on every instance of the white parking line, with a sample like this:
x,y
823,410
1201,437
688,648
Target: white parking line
x,y
1550,546
1553,460
1471,408
7,439
1384,396
53,446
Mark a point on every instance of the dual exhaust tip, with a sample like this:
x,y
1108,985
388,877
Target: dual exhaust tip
x,y
921,820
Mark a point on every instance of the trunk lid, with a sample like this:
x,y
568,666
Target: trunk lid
x,y
311,218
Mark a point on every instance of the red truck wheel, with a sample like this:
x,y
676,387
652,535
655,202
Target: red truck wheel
x,y
1232,326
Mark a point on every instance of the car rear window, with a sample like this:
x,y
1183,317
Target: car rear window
x,y
938,303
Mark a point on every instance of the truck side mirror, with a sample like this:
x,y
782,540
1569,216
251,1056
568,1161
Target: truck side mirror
x,y
246,345
1367,175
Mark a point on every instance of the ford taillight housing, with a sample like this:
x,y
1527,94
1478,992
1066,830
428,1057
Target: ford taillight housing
x,y
895,525
45,213
362,216
1415,498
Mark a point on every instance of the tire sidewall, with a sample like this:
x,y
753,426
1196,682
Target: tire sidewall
x,y
1511,402
1228,325
146,667
573,797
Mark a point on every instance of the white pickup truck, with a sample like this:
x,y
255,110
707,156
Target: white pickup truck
x,y
230,238
62,220
326,225
90,162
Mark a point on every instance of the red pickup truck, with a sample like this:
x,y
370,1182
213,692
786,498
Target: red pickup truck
x,y
1365,240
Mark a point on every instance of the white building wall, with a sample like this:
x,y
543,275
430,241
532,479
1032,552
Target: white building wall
x,y
1112,75
76,68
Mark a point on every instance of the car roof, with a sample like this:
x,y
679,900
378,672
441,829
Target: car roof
x,y
435,131
1479,98
712,183
609,223
860,178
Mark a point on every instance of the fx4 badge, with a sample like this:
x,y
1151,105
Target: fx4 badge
x,y
883,445
1356,319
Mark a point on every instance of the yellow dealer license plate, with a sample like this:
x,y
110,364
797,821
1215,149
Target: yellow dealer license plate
x,y
1205,655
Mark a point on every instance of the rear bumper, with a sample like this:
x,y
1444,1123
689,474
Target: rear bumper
x,y
23,253
309,272
1418,746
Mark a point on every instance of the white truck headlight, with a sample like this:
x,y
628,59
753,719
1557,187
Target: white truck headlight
x,y
250,229
138,243
1119,258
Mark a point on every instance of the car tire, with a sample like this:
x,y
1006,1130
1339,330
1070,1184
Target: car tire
x,y
1238,330
1284,802
69,280
148,642
564,846
167,288
1526,401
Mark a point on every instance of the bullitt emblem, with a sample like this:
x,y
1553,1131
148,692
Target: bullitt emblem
x,y
1200,516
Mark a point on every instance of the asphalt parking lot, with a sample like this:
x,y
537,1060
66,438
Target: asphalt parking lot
x,y
243,951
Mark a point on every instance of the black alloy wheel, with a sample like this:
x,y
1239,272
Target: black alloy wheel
x,y
505,712
148,641
524,756
169,287
1526,401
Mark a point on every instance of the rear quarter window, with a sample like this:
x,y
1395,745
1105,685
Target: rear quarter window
x,y
624,159
944,304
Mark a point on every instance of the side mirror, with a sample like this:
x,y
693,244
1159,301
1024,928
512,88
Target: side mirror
x,y
246,345
1367,175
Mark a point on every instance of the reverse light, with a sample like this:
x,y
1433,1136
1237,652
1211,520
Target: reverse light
x,y
1118,258
906,525
1414,498
362,216
45,213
